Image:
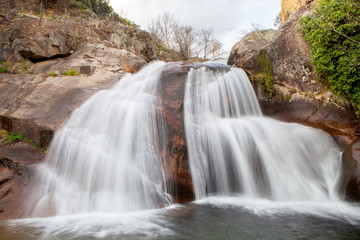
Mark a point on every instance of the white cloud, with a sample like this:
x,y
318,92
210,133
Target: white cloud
x,y
227,17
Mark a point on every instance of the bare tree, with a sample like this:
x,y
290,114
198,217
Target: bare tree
x,y
205,38
185,39
216,49
163,27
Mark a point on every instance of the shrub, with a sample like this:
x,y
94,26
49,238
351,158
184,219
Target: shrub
x,y
52,74
333,31
71,73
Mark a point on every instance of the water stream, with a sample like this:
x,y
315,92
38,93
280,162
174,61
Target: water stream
x,y
254,177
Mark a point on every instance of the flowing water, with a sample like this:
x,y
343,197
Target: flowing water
x,y
254,177
106,157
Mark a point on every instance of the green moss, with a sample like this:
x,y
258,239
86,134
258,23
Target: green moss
x,y
266,76
71,73
52,74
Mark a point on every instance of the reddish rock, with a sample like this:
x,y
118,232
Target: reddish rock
x,y
352,156
15,176
172,90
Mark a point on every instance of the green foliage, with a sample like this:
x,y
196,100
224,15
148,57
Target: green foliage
x,y
333,32
14,137
71,73
52,74
3,69
266,76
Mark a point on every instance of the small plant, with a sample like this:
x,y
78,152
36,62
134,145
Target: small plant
x,y
3,134
14,137
71,73
52,74
3,70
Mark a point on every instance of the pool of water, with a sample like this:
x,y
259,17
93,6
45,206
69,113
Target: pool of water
x,y
212,218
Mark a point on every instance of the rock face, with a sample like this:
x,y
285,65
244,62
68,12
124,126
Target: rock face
x,y
279,65
36,105
5,49
290,6
48,46
23,38
15,176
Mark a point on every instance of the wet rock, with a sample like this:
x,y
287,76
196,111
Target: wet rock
x,y
172,90
352,156
15,176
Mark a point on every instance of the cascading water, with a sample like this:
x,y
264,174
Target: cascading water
x,y
106,164
234,149
107,157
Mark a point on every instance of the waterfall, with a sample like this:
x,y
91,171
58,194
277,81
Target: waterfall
x,y
233,149
108,155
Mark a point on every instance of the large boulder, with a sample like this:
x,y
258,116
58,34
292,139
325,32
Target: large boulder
x,y
50,45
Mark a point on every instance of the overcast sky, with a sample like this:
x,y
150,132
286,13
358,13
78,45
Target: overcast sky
x,y
228,18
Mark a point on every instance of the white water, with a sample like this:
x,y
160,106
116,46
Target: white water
x,y
234,149
107,157
104,169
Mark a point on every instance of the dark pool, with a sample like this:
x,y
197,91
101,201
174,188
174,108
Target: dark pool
x,y
209,219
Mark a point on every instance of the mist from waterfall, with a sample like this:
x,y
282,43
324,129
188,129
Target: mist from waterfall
x,y
233,149
107,156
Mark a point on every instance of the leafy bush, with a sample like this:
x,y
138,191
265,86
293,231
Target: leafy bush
x,y
71,73
333,31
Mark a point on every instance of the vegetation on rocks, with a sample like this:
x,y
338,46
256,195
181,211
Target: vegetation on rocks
x,y
71,73
266,77
11,138
333,30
